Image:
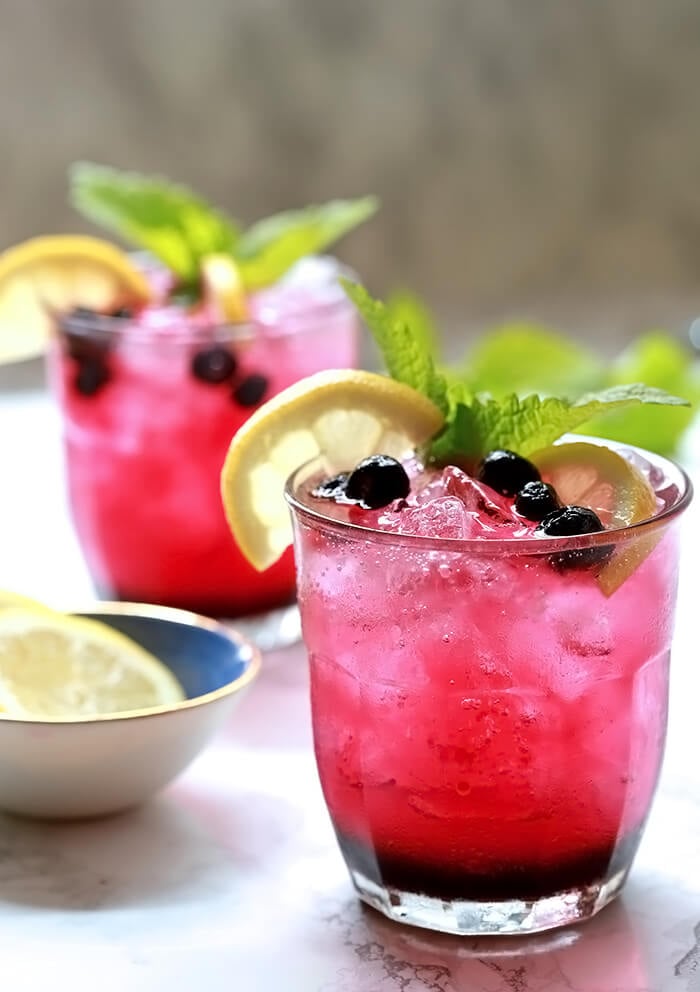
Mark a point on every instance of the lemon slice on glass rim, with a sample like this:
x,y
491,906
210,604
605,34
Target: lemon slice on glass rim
x,y
50,275
599,478
54,666
345,415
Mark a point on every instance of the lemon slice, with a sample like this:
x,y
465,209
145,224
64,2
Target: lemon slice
x,y
10,600
591,475
345,415
55,666
223,287
51,275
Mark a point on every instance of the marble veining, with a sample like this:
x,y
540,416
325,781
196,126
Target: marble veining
x,y
377,962
689,965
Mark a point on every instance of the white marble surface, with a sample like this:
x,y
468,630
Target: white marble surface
x,y
231,879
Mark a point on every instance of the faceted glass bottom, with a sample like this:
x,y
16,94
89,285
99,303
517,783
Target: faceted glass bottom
x,y
474,919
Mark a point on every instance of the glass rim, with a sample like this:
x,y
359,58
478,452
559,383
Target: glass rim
x,y
284,324
297,322
501,546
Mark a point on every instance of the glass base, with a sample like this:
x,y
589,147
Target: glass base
x,y
272,630
476,919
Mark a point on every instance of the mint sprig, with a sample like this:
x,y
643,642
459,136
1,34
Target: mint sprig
x,y
525,358
167,220
661,360
408,308
267,249
407,355
477,423
521,357
180,228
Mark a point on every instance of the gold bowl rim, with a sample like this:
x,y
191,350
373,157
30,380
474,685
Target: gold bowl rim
x,y
248,652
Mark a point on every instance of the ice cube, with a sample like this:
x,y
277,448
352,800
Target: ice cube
x,y
476,497
454,505
312,272
443,516
310,282
587,636
484,512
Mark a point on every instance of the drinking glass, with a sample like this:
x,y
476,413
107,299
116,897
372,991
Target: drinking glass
x,y
149,405
488,726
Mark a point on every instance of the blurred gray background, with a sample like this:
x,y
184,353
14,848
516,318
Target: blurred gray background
x,y
533,157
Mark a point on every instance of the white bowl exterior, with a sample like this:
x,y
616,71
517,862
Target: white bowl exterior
x,y
70,770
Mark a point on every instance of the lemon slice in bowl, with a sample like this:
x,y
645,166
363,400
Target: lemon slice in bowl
x,y
592,475
12,600
56,666
345,415
49,275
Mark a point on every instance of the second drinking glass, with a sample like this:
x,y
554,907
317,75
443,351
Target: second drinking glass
x,y
149,404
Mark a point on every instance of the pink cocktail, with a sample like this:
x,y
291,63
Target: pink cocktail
x,y
488,722
150,402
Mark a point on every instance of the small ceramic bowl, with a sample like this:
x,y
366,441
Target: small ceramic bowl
x,y
91,767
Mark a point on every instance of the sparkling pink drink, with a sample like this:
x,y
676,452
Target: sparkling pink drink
x,y
150,402
488,724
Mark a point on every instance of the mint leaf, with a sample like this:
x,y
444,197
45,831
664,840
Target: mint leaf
x,y
267,249
407,358
659,360
479,424
476,423
180,228
407,308
524,358
167,220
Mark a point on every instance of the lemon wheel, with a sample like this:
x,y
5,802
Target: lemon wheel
x,y
57,666
344,415
50,275
597,477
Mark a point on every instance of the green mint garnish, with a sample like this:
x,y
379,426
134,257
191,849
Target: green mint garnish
x,y
409,309
407,355
180,228
167,220
660,360
479,424
524,358
267,249
476,423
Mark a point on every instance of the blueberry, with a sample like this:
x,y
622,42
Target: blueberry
x,y
91,376
536,499
569,521
333,488
251,390
377,481
85,347
82,338
506,472
82,313
213,365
